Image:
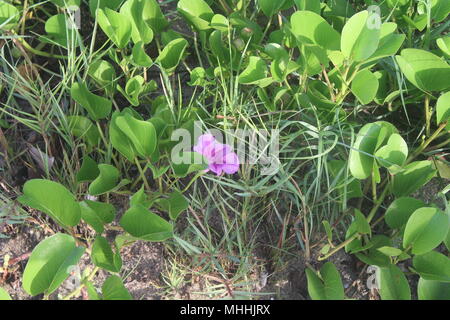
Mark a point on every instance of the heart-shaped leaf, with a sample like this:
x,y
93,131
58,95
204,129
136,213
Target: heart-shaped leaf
x,y
328,286
103,256
53,199
270,7
96,106
141,133
88,170
171,55
96,214
106,181
101,4
60,31
425,230
196,12
50,263
140,31
115,25
412,178
255,73
154,17
174,204
83,128
145,225
104,74
140,57
133,89
119,140
113,289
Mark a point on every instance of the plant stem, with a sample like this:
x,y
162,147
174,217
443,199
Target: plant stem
x,y
77,291
427,142
142,174
427,116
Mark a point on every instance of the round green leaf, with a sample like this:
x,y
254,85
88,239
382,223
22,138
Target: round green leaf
x,y
9,16
393,155
97,106
425,230
50,263
171,55
115,25
196,12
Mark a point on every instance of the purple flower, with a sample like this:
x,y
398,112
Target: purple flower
x,y
220,157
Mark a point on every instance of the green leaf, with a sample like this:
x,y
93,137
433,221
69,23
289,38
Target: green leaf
x,y
311,29
154,17
360,37
433,290
119,140
444,44
310,5
400,210
50,264
88,171
412,178
115,25
432,266
393,155
171,55
96,214
353,186
60,31
328,286
145,225
270,7
140,31
443,108
141,133
370,137
103,256
140,57
425,70
4,295
66,3
191,162
113,289
220,23
53,199
83,128
373,256
390,251
393,284
133,89
196,12
362,226
140,198
101,4
9,16
174,204
96,106
255,73
425,230
390,42
365,86
103,74
106,181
